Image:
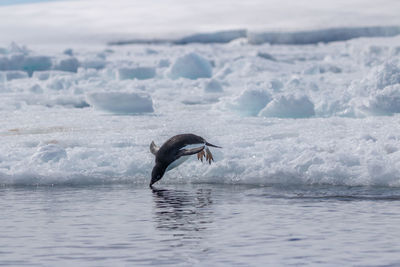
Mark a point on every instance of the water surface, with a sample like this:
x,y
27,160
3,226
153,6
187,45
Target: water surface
x,y
200,225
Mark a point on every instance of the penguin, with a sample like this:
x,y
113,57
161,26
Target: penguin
x,y
176,150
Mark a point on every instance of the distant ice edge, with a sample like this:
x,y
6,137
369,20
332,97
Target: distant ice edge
x,y
300,37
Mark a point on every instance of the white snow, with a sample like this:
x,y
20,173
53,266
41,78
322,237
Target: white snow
x,y
77,111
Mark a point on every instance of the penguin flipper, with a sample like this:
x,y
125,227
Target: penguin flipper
x,y
154,148
188,152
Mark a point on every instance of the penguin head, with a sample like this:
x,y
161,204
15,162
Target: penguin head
x,y
157,173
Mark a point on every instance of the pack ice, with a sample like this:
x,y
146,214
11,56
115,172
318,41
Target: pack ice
x,y
325,113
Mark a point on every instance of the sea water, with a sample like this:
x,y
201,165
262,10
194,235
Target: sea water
x,y
199,225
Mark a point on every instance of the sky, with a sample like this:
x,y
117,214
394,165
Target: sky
x,y
18,2
102,21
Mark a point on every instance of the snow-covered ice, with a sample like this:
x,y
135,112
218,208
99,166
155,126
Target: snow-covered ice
x,y
323,110
276,122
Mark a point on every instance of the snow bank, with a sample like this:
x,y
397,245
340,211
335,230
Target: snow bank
x,y
250,101
191,66
121,102
140,73
289,106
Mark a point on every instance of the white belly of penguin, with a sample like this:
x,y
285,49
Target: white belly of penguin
x,y
177,162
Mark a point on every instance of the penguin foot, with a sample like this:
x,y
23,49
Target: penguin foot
x,y
200,155
209,156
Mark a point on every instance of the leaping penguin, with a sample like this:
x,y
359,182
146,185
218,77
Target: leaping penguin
x,y
175,151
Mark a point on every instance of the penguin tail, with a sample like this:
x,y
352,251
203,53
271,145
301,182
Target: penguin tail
x,y
208,144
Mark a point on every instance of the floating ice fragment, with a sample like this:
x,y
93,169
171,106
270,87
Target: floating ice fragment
x,y
69,64
36,89
386,101
25,63
45,75
59,83
387,74
289,107
15,74
213,86
36,63
266,56
164,63
276,85
191,66
68,52
3,77
94,63
122,102
140,73
250,101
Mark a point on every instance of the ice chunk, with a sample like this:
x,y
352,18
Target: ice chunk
x,y
386,101
36,63
164,63
68,52
191,66
69,64
36,89
45,75
3,77
59,83
140,73
250,101
94,63
322,68
122,102
25,63
15,74
266,56
49,152
387,74
276,85
289,107
14,48
213,86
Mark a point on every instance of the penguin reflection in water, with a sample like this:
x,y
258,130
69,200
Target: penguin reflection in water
x,y
176,150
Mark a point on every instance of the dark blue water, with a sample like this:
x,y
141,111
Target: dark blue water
x,y
199,225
